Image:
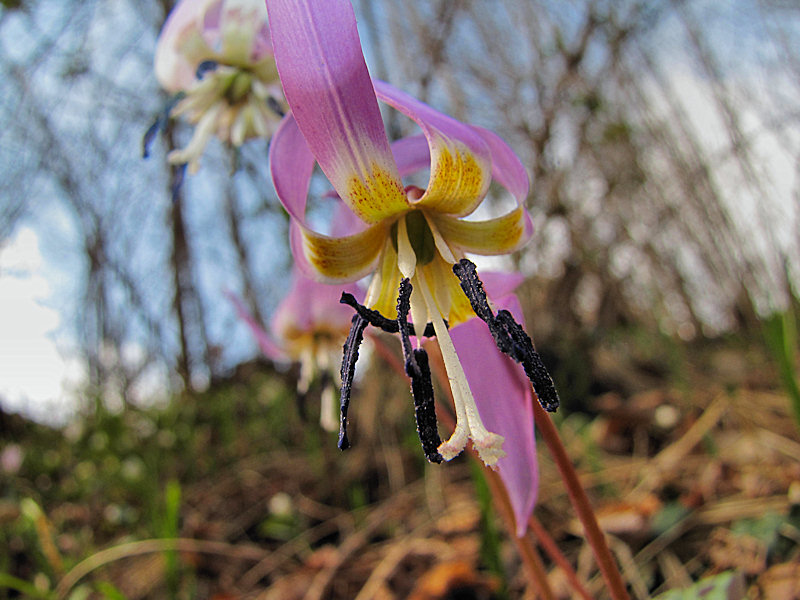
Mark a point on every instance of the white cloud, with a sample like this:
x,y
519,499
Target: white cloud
x,y
33,373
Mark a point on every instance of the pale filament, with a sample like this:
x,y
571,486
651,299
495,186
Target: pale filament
x,y
441,244
202,134
329,410
468,420
406,257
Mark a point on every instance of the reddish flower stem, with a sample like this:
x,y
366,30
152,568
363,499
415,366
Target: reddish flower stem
x,y
577,495
527,551
580,502
555,554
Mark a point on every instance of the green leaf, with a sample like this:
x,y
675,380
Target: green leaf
x,y
765,529
725,586
780,331
109,591
22,586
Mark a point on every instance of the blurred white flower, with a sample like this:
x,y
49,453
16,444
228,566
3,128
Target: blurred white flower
x,y
218,54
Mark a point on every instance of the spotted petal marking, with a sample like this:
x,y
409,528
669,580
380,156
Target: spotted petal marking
x,y
340,259
461,165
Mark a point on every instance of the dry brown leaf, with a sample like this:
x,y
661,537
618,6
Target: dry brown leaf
x,y
780,581
445,579
745,553
626,517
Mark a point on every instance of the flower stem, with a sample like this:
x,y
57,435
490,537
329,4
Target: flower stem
x,y
580,502
527,551
553,551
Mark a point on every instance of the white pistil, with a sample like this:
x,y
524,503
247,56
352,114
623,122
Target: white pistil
x,y
468,420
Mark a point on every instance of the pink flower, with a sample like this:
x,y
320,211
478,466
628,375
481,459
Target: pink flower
x,y
308,327
218,54
417,235
11,458
503,397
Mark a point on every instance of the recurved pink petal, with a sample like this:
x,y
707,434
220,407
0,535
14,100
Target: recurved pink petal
x,y
461,166
345,222
338,259
499,284
507,168
327,86
318,256
503,395
291,164
411,154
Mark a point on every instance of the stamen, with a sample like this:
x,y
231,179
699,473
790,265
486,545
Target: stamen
x,y
275,106
150,135
425,409
327,382
202,134
403,306
416,367
510,337
306,371
354,339
159,123
467,273
327,408
418,370
468,420
205,67
531,362
373,317
376,319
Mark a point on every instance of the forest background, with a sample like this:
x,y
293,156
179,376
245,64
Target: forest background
x,y
663,144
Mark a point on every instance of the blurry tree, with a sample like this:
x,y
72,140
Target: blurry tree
x,y
662,139
144,256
